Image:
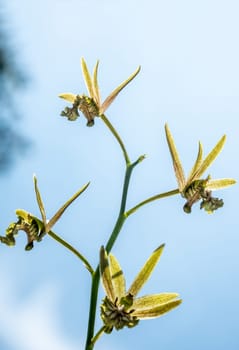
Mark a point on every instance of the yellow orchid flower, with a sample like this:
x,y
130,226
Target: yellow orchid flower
x,y
91,105
194,188
121,308
34,228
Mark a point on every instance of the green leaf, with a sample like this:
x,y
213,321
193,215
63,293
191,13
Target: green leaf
x,y
117,276
96,85
87,78
178,169
145,272
114,93
106,275
58,214
68,97
210,158
39,201
156,311
197,163
219,183
153,300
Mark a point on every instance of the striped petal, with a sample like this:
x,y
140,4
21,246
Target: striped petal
x,y
96,90
197,164
87,78
68,96
58,214
39,201
114,93
210,158
217,184
145,272
117,276
156,311
106,275
152,301
178,169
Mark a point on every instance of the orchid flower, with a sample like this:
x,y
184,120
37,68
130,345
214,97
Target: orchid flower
x,y
194,188
35,228
121,308
91,106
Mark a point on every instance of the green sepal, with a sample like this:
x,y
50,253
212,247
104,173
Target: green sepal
x,y
154,300
59,213
146,271
217,184
68,96
197,163
158,310
87,78
106,275
178,169
95,84
39,201
209,159
115,92
118,279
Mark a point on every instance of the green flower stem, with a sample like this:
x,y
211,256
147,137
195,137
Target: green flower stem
x,y
151,199
98,335
73,250
118,138
96,277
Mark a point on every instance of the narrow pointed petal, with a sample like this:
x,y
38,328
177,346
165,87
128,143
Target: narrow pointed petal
x,y
117,276
96,89
39,201
197,164
106,275
58,214
114,93
210,158
146,271
87,78
152,301
178,169
68,96
217,184
157,311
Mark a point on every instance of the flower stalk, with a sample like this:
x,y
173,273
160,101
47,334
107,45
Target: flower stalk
x,y
120,307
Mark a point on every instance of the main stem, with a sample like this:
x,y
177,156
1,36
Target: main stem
x,y
96,276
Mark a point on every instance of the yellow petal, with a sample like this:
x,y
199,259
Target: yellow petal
x,y
114,93
117,276
153,300
58,214
68,97
178,169
146,271
217,184
156,311
106,275
24,215
39,201
87,78
96,90
210,158
197,163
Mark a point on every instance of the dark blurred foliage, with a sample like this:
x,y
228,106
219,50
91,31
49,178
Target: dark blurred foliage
x,y
12,78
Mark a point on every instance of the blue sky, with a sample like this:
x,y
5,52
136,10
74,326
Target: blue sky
x,y
189,56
